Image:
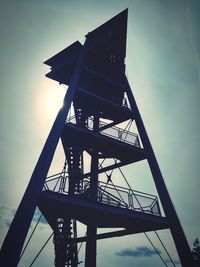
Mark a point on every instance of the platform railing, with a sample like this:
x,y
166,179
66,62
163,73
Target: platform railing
x,y
113,132
108,194
57,183
127,198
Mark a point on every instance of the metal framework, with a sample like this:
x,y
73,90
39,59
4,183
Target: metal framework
x,y
101,99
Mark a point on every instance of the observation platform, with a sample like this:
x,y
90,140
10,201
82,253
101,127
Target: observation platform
x,y
54,205
112,142
115,207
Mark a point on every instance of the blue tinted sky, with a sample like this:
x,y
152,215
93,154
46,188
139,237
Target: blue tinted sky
x,y
163,66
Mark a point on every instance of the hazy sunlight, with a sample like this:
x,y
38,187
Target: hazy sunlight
x,y
49,101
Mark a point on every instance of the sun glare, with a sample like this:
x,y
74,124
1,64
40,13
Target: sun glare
x,y
49,101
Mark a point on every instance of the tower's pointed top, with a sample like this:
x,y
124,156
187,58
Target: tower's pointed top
x,y
106,50
114,30
119,21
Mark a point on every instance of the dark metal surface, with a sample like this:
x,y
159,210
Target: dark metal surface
x,y
102,215
112,147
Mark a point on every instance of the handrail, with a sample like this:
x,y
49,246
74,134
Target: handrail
x,y
107,194
120,134
135,199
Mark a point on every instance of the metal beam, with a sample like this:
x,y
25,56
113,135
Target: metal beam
x,y
111,104
107,235
107,126
104,77
108,168
91,243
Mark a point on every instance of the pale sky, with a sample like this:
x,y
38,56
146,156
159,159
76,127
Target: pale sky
x,y
163,66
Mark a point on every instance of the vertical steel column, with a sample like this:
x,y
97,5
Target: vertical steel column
x,y
91,246
13,243
91,243
180,240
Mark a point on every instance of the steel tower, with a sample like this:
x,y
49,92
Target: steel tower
x,y
101,99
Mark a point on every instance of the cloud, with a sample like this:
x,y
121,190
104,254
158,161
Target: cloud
x,y
138,252
37,215
6,216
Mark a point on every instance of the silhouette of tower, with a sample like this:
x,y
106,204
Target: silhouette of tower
x,y
101,99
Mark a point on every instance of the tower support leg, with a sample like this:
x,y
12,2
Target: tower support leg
x,y
177,232
90,255
65,248
13,243
91,243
